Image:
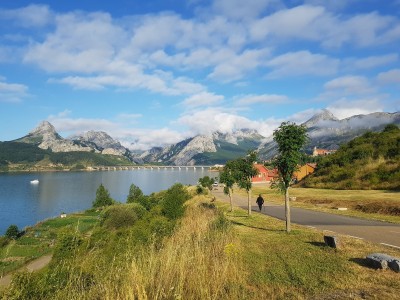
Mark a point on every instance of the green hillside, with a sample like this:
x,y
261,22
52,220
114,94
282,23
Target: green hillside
x,y
23,156
225,152
371,161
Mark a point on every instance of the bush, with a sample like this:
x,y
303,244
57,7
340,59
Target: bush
x,y
67,244
12,232
175,197
119,216
4,241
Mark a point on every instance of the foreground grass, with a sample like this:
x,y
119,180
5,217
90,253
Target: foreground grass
x,y
369,204
299,266
214,254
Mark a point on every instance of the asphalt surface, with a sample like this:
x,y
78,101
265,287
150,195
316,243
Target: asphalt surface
x,y
375,231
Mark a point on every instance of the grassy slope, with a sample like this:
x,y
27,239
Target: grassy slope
x,y
208,257
371,161
39,240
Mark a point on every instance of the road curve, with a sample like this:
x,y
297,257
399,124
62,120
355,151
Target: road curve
x,y
374,231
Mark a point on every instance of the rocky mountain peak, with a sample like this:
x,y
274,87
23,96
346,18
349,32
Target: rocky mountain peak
x,y
44,129
323,116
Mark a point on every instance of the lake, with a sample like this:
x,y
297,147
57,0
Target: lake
x,y
25,204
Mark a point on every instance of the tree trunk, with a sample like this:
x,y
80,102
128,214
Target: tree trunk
x,y
287,209
230,198
249,201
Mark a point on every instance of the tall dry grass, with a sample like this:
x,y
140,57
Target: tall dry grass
x,y
199,261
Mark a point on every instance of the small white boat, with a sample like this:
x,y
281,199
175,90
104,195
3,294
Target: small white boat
x,y
35,181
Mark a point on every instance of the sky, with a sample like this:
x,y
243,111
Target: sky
x,y
151,73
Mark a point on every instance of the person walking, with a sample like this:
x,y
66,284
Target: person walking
x,y
260,201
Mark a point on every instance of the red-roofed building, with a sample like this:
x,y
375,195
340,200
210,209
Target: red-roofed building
x,y
264,175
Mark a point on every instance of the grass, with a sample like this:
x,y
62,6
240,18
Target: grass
x,y
216,254
299,266
39,240
358,202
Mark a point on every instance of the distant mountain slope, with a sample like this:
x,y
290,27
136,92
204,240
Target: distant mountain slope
x,y
102,142
326,131
371,161
205,149
46,137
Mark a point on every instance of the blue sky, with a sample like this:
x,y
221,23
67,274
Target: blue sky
x,y
151,73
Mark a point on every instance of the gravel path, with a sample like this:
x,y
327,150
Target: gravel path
x,y
34,265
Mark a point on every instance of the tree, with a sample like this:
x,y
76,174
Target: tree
x,y
135,193
227,176
244,171
12,232
290,139
206,182
102,197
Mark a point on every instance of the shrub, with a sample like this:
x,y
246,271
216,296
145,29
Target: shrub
x,y
175,197
4,241
200,190
102,197
119,216
12,232
67,244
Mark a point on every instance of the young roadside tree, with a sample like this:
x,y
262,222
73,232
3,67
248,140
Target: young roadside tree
x,y
244,172
227,176
290,139
102,197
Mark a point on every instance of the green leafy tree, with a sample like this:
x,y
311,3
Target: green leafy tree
x,y
12,232
244,171
290,139
206,182
227,177
135,193
102,197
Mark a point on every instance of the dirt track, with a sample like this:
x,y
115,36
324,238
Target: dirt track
x,y
34,265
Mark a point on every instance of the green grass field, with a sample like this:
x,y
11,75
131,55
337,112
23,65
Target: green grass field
x,y
39,240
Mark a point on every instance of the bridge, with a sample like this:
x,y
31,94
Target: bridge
x,y
121,168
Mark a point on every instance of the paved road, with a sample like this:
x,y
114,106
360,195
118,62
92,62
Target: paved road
x,y
374,231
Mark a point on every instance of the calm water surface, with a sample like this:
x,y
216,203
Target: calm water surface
x,y
25,204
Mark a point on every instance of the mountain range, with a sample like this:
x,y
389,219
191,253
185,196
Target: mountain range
x,y
324,131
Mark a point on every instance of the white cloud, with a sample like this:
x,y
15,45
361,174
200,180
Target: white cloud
x,y
235,66
349,85
345,108
302,63
144,139
32,15
12,92
73,126
370,62
389,77
298,22
315,23
203,99
236,9
260,99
